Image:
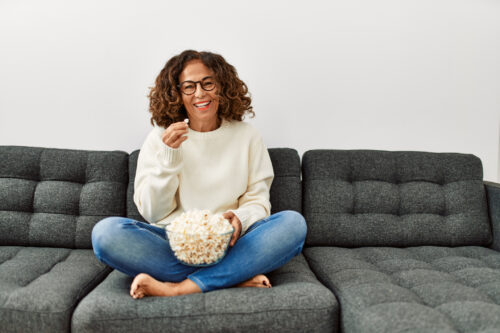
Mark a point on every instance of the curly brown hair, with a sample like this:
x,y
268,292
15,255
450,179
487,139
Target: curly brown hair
x,y
165,100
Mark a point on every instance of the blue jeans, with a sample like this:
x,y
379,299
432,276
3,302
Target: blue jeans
x,y
134,247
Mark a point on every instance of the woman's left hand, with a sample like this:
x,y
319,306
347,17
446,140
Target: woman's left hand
x,y
236,223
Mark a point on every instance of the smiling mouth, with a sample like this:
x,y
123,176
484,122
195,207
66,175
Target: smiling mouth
x,y
202,106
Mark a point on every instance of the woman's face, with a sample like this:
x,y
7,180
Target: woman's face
x,y
202,105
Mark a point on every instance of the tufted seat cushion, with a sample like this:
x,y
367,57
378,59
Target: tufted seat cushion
x,y
297,302
40,287
438,289
379,198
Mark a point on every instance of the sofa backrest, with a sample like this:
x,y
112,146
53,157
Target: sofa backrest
x,y
132,211
54,197
380,198
286,190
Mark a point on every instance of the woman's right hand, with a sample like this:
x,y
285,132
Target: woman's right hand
x,y
174,135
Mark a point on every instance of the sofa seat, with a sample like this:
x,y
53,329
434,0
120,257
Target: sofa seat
x,y
297,302
424,289
40,286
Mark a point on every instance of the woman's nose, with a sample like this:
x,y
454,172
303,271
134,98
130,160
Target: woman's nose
x,y
199,90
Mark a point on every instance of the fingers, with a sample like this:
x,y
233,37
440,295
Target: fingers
x,y
233,239
228,215
231,217
174,135
177,143
235,222
235,236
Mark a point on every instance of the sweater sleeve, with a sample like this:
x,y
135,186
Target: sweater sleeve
x,y
157,178
254,204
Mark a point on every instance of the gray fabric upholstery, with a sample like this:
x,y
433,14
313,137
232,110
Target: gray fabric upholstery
x,y
418,289
380,198
54,197
51,198
286,190
297,302
493,194
40,287
132,211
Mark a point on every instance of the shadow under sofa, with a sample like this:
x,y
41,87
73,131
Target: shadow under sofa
x,y
404,240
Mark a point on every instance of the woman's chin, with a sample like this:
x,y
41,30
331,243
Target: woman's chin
x,y
204,115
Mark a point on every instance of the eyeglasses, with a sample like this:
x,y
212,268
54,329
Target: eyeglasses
x,y
189,87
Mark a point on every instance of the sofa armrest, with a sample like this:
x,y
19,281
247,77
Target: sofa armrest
x,y
493,197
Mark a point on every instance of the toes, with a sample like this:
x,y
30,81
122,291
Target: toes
x,y
133,289
133,293
137,294
265,280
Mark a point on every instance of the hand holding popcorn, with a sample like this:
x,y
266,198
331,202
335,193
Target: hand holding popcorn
x,y
236,223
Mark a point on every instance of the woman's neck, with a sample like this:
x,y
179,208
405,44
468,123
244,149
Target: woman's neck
x,y
205,127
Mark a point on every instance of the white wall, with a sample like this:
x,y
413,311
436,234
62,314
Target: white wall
x,y
351,74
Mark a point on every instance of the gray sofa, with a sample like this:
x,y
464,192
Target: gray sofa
x,y
397,241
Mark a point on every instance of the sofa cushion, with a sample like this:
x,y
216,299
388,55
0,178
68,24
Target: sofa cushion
x,y
297,302
286,190
54,197
40,287
416,289
380,198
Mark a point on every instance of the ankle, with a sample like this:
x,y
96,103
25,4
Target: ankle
x,y
175,289
186,287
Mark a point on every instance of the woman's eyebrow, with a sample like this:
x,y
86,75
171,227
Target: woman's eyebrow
x,y
206,77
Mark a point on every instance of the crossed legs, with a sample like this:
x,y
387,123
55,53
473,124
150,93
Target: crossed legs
x,y
142,251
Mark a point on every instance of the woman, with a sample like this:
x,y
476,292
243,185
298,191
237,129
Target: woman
x,y
217,162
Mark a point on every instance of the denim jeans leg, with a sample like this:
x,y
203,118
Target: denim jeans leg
x,y
134,247
266,246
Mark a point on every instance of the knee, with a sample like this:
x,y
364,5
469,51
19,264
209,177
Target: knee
x,y
295,224
103,232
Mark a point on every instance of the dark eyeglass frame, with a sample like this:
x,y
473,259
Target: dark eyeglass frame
x,y
196,85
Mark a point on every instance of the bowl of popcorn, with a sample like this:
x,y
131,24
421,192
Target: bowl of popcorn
x,y
199,238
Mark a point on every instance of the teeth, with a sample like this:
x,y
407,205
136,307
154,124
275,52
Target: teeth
x,y
202,105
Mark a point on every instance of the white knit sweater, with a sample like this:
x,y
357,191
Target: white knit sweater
x,y
227,169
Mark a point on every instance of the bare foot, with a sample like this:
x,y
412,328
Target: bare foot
x,y
258,281
146,285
